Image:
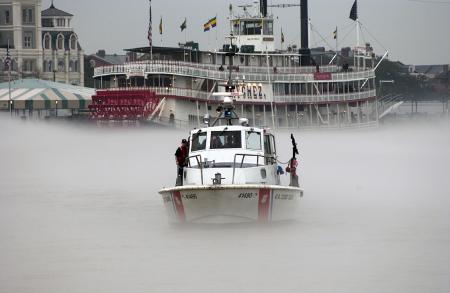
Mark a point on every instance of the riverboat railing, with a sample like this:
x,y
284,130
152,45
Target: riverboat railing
x,y
220,72
206,96
325,98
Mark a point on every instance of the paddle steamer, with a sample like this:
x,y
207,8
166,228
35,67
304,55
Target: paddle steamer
x,y
291,88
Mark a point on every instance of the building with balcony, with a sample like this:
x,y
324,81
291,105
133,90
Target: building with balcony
x,y
42,44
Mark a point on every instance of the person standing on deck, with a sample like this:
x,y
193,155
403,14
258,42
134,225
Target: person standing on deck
x,y
293,164
292,169
180,158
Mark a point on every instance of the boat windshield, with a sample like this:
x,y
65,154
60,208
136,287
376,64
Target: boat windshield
x,y
198,142
253,140
225,140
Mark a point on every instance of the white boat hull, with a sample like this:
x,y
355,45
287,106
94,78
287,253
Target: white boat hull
x,y
231,203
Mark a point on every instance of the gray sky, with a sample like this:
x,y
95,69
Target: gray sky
x,y
413,32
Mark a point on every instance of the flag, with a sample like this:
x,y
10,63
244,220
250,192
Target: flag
x,y
335,34
206,27
183,26
149,34
8,57
282,36
354,11
160,27
213,21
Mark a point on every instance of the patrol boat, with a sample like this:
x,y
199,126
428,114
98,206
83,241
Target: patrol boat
x,y
232,175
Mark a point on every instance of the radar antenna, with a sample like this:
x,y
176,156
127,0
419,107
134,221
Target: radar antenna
x,y
226,109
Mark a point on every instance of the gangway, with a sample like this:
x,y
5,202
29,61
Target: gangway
x,y
391,109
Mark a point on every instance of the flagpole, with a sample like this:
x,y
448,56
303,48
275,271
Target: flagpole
x,y
309,31
354,16
337,43
216,33
161,30
185,39
209,41
9,79
337,46
282,39
150,33
357,32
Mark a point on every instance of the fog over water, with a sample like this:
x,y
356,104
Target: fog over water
x,y
79,212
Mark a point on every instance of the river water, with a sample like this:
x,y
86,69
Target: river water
x,y
79,212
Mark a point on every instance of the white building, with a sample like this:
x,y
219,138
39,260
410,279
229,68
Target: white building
x,y
42,44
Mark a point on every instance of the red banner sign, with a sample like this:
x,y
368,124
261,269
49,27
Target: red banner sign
x,y
322,76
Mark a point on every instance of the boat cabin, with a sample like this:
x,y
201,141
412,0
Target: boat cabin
x,y
218,146
239,154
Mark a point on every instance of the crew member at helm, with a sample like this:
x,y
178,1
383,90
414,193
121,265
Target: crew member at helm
x,y
180,158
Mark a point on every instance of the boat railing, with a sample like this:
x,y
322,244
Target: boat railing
x,y
220,72
265,159
325,97
146,65
277,97
199,164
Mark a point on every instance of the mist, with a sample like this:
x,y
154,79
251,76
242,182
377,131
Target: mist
x,y
80,212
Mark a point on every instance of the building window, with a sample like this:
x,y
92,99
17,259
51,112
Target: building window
x,y
47,23
268,27
73,42
7,17
60,42
61,22
73,66
28,40
47,41
47,66
27,66
61,66
27,15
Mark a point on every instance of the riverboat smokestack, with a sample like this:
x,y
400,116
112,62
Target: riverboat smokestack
x,y
304,29
263,7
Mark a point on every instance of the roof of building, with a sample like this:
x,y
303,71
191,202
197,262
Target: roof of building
x,y
115,59
53,11
112,59
429,69
43,94
156,50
